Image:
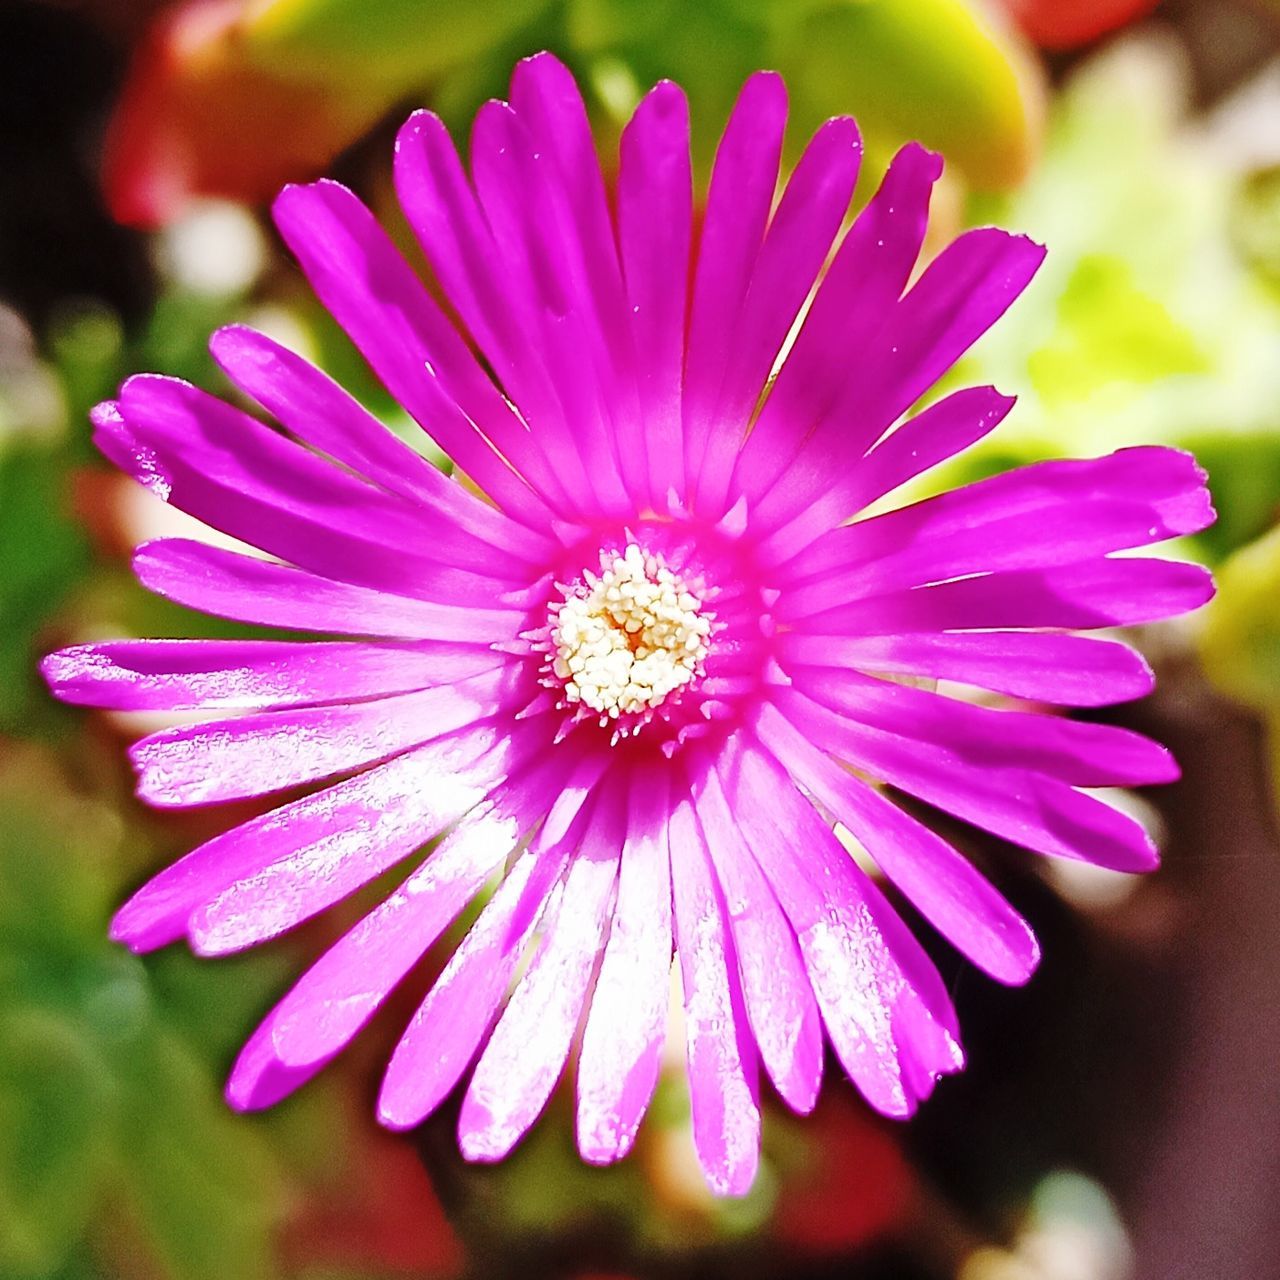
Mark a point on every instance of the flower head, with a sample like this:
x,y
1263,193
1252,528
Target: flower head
x,y
641,674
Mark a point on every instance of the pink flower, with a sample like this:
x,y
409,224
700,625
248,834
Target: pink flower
x,y
643,679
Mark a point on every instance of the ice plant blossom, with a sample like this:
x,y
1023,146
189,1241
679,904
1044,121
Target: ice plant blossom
x,y
633,672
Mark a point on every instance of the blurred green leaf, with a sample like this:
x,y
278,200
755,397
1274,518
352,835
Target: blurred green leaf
x,y
1240,643
45,553
1144,326
389,45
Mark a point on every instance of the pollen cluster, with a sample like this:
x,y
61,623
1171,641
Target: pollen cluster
x,y
628,638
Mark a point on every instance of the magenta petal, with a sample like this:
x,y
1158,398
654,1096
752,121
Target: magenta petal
x,y
449,1026
318,411
932,436
655,200
854,302
528,1048
946,889
171,675
341,816
528,209
850,968
738,206
442,786
779,1000
795,247
1083,754
499,311
1040,666
271,750
1094,593
235,474
723,1087
259,1079
371,291
231,585
623,1037
1041,813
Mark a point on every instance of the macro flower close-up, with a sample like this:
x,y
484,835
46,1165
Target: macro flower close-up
x,y
666,645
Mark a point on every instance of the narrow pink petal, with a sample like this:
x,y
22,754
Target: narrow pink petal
x,y
1094,593
157,914
723,1084
655,201
268,751
1038,812
848,962
855,301
527,208
221,466
319,873
230,585
946,889
338,995
795,247
172,675
369,288
961,294
1083,754
626,1025
779,1000
441,1040
318,411
498,312
259,1079
1075,671
876,990
528,1048
1045,514
932,436
738,206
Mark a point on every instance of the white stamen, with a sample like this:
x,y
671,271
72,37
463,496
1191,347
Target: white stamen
x,y
630,637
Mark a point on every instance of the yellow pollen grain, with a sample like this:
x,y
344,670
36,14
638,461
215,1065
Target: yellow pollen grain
x,y
634,636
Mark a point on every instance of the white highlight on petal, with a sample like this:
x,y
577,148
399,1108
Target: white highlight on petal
x,y
629,637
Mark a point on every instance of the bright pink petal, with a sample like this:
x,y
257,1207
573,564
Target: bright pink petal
x,y
527,208
315,875
1094,593
853,304
795,247
339,994
932,436
230,585
319,412
158,912
877,991
1040,666
173,675
271,750
224,468
723,1086
1041,813
368,287
626,1025
779,1000
1083,754
946,889
441,207
738,207
961,294
655,200
529,1046
449,1026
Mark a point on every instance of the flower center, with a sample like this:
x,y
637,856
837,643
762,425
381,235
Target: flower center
x,y
628,637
